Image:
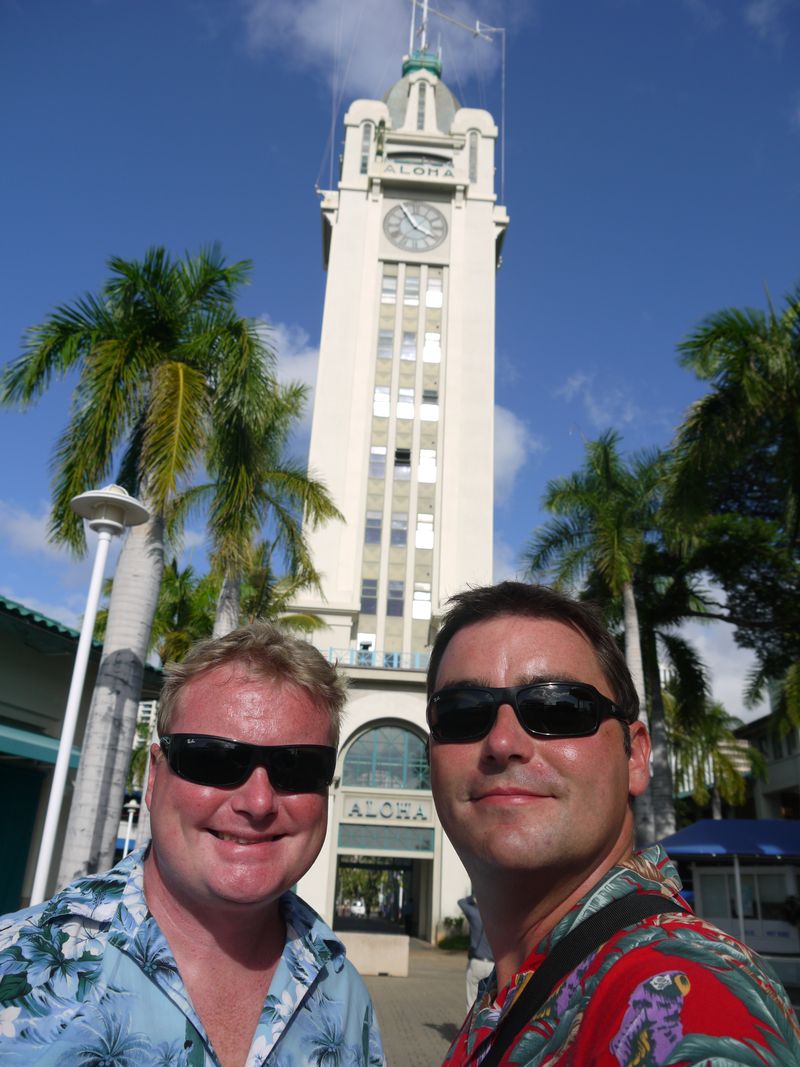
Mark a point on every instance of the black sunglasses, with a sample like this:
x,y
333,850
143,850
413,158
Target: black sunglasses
x,y
221,762
545,709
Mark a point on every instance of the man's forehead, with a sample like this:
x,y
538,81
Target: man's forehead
x,y
236,674
527,648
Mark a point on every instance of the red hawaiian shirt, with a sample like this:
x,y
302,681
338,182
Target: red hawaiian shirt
x,y
674,991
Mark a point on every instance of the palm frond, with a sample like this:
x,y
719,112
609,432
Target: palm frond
x,y
175,428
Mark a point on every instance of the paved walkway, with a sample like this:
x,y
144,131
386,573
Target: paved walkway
x,y
420,1015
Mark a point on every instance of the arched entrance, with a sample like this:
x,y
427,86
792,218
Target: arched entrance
x,y
386,833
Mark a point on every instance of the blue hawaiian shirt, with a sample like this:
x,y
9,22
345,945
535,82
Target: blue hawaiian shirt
x,y
88,978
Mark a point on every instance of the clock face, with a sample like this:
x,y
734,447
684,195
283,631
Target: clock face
x,y
415,226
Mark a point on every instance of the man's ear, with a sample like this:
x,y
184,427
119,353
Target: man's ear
x,y
639,759
156,757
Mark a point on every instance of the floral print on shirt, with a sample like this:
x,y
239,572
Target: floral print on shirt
x,y
673,991
88,978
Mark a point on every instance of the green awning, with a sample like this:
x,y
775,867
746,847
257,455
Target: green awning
x,y
33,746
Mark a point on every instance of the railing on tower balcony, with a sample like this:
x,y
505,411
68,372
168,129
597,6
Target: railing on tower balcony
x,y
370,657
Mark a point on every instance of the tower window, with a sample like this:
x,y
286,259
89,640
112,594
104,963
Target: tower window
x,y
429,409
387,757
421,604
427,465
369,596
377,461
394,601
424,538
380,402
385,344
366,137
473,156
432,349
399,527
389,288
433,294
421,106
372,529
411,292
402,464
408,347
405,403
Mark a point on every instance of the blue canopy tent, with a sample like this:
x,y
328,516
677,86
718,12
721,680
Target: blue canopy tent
x,y
750,839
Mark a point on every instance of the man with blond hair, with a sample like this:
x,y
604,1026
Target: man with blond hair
x,y
194,950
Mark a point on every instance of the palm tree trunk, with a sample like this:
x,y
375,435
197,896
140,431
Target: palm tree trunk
x,y
143,834
100,786
228,606
716,802
645,822
661,787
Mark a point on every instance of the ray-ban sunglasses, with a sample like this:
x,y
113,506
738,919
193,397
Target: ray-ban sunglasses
x,y
207,760
544,709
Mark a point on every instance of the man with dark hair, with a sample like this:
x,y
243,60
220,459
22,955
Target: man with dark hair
x,y
537,752
195,951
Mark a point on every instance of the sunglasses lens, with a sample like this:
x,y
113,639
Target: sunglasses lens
x,y
301,768
209,760
216,761
547,709
461,714
558,710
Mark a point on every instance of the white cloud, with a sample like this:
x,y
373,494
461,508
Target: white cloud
x,y
68,614
705,12
765,17
357,47
192,539
297,362
514,443
505,561
603,407
25,532
297,359
728,664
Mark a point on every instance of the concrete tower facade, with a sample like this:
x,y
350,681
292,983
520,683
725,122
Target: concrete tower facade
x,y
402,434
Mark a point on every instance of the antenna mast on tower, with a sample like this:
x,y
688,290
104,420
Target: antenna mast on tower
x,y
423,30
484,32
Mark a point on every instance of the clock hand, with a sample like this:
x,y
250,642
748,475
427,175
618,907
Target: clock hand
x,y
408,214
415,222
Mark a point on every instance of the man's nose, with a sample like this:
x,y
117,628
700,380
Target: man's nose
x,y
256,796
507,739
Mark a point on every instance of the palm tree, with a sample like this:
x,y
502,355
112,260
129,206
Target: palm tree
x,y
604,516
184,613
151,352
256,488
270,595
736,478
752,360
668,593
710,760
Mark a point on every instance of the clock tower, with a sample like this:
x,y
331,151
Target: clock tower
x,y
402,434
403,416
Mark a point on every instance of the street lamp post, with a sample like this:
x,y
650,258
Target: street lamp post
x,y
131,807
108,511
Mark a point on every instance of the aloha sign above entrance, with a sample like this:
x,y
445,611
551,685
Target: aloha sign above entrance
x,y
387,808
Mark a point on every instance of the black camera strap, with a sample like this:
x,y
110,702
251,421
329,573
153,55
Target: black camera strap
x,y
579,943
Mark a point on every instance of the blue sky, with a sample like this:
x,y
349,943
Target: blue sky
x,y
652,176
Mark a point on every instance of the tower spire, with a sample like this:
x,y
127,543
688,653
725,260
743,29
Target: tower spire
x,y
420,58
423,43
